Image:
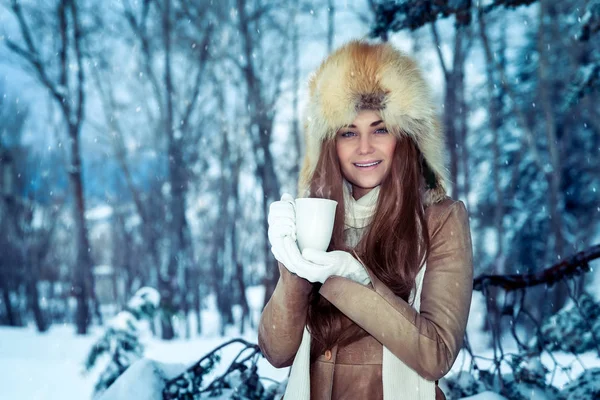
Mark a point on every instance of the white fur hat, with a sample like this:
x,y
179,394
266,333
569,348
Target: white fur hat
x,y
378,77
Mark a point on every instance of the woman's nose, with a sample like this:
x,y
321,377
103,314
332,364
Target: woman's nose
x,y
365,146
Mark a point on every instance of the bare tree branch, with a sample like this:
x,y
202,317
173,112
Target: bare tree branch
x,y
438,49
32,55
570,267
202,61
80,70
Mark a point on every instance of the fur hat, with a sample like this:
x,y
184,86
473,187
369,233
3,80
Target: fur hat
x,y
377,77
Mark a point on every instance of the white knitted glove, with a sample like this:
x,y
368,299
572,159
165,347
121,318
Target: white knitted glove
x,y
282,219
312,265
323,264
282,232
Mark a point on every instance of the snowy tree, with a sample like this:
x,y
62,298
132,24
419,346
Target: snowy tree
x,y
585,387
574,329
121,340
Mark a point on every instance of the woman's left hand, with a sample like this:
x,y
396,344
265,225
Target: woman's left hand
x,y
326,264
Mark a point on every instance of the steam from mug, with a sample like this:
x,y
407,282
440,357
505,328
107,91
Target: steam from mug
x,y
314,222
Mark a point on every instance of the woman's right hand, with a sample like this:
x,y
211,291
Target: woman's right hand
x,y
282,231
282,236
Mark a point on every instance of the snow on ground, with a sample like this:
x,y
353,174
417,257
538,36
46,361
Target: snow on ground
x,y
44,366
48,366
485,396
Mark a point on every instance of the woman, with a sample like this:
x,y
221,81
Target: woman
x,y
385,309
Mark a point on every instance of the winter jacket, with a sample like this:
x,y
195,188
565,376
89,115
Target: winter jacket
x,y
427,342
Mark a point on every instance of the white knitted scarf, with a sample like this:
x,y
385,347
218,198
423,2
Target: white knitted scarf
x,y
399,381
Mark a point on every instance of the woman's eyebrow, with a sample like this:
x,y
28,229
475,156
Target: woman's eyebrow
x,y
372,124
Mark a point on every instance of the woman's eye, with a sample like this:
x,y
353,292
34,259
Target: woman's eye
x,y
381,130
347,134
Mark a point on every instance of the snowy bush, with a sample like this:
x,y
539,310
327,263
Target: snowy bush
x,y
527,381
462,384
586,386
151,380
575,329
529,370
239,382
120,341
515,389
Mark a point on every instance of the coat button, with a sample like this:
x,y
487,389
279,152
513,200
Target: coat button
x,y
328,355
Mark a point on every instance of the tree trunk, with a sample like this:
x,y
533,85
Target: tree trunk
x,y
83,270
261,127
555,174
330,24
271,193
452,104
239,267
296,133
197,304
461,40
451,140
33,300
169,281
180,253
219,260
84,275
11,314
495,122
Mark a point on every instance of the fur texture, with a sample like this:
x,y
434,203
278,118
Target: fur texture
x,y
377,77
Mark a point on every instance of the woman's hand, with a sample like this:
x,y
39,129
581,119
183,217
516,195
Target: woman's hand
x,y
282,218
282,232
312,265
321,265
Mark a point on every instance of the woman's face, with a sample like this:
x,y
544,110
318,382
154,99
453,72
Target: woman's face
x,y
365,150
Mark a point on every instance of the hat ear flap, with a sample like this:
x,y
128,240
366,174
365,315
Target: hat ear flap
x,y
428,174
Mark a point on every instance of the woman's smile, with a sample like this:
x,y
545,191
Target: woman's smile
x,y
368,165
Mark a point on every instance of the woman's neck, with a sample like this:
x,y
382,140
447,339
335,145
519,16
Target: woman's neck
x,y
358,192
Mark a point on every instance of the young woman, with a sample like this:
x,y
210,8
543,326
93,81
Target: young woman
x,y
382,314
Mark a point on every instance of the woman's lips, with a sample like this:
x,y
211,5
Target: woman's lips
x,y
368,165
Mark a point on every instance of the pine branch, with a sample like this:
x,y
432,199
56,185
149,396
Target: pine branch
x,y
590,22
394,16
220,382
188,384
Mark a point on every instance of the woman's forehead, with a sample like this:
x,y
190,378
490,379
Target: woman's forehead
x,y
366,117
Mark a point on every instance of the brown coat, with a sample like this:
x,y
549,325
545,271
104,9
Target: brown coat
x,y
428,341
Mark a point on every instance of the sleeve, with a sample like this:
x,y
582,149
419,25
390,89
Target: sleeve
x,y
429,341
283,319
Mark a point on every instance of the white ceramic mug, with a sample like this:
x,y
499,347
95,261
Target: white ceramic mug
x,y
314,222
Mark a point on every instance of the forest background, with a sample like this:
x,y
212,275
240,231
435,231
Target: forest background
x,y
141,143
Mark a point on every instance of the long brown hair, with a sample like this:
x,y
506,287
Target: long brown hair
x,y
394,246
